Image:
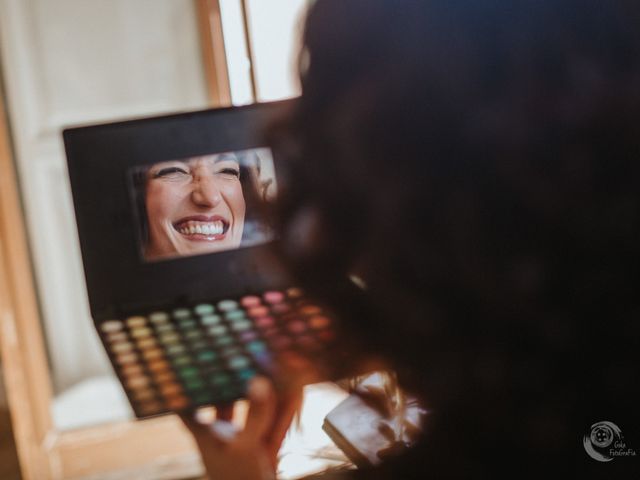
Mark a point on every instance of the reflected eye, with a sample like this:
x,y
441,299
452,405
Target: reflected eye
x,y
229,171
171,172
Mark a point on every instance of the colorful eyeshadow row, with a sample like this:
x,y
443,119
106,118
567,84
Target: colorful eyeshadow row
x,y
205,354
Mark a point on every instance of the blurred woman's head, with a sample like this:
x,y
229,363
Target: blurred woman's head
x,y
475,163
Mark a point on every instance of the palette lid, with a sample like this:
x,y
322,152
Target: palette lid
x,y
101,159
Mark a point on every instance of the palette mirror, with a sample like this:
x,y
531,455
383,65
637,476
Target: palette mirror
x,y
203,204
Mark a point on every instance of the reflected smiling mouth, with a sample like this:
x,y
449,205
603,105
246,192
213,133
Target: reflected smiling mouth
x,y
201,227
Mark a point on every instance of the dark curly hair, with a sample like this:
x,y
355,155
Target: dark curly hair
x,y
476,163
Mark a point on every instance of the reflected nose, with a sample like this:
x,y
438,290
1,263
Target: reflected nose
x,y
206,192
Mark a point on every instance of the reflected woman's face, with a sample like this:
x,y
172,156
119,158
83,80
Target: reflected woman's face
x,y
194,206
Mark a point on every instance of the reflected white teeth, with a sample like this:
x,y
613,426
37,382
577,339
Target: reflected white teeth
x,y
202,228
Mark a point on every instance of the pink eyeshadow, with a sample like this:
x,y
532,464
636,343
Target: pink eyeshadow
x,y
273,297
250,301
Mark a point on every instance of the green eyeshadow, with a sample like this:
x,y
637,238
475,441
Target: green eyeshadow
x,y
204,309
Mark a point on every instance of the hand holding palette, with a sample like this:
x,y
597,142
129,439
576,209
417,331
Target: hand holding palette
x,y
182,287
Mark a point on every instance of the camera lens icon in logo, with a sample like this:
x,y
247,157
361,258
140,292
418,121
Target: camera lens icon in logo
x,y
597,443
602,436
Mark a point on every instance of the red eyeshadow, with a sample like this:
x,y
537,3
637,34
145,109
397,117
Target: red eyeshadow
x,y
258,312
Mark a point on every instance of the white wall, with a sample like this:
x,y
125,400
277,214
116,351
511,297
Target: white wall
x,y
68,62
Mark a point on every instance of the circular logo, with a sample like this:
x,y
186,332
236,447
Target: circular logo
x,y
601,436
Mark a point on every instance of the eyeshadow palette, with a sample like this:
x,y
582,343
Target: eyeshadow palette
x,y
204,354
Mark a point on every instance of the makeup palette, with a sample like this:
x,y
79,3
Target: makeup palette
x,y
187,314
204,354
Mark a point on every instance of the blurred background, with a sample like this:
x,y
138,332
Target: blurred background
x,y
73,62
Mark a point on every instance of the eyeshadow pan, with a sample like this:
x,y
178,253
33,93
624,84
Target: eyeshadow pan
x,y
256,347
210,320
224,341
189,323
192,334
238,362
220,379
164,377
248,336
138,381
126,358
294,292
136,321
258,312
117,337
134,369
203,397
182,360
199,344
318,322
250,301
207,356
281,308
226,305
310,309
176,349
234,315
147,342
273,297
246,374
181,313
140,332
218,330
122,347
241,326
145,394
204,309
111,326
158,365
170,389
264,322
230,351
193,384
159,317
170,338
167,327
177,403
189,372
152,354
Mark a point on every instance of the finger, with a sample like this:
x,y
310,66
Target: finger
x,y
202,433
285,411
262,406
225,412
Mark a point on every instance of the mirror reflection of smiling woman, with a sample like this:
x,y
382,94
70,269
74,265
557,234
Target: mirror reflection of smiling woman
x,y
194,206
